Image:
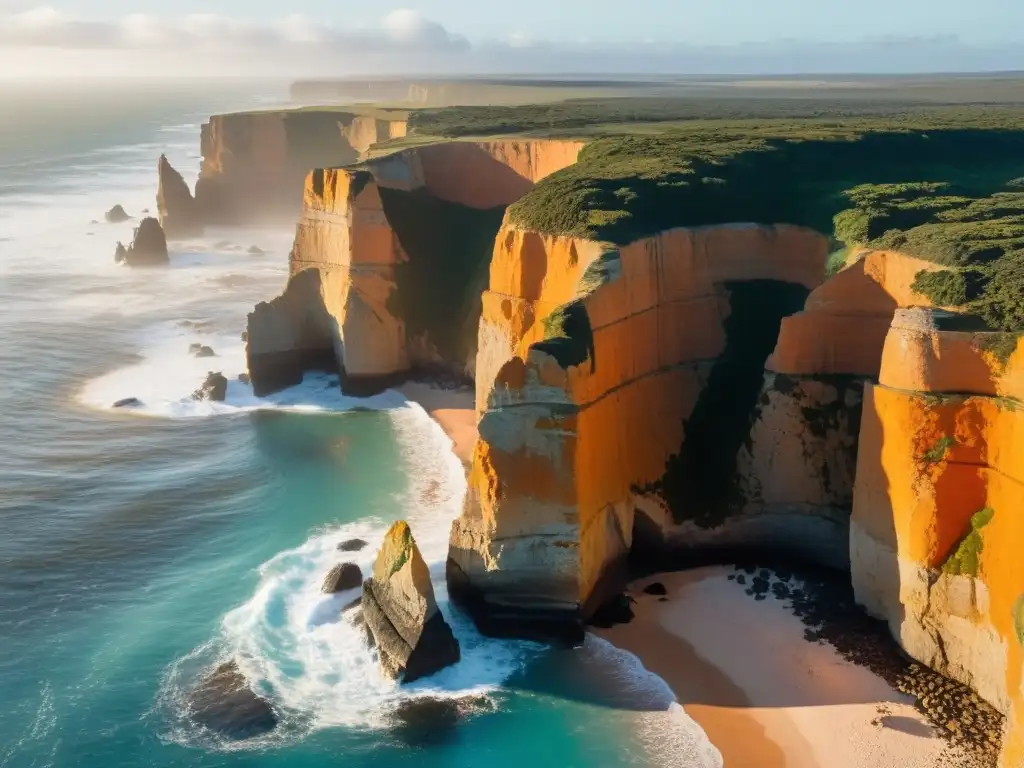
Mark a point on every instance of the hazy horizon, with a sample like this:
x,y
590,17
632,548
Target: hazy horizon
x,y
314,39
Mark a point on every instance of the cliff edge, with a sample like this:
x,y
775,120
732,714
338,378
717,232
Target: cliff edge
x,y
389,262
937,524
591,434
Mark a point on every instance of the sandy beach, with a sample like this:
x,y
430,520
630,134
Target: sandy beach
x,y
453,409
766,696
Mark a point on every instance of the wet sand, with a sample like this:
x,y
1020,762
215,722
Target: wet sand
x,y
766,696
453,409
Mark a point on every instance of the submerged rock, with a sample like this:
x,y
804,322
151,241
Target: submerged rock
x,y
352,545
201,350
224,702
411,635
175,204
244,378
255,250
148,248
128,402
342,577
655,588
196,325
424,721
116,215
214,388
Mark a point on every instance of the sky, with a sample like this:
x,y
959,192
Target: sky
x,y
301,38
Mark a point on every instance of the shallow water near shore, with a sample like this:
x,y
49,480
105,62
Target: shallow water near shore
x,y
141,547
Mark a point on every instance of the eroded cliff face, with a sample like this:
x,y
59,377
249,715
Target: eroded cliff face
x,y
399,250
255,163
937,518
798,462
179,215
585,425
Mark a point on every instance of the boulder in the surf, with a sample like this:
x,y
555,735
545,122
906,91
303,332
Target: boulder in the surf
x,y
342,577
223,702
399,608
128,402
351,545
214,388
244,378
148,248
201,350
120,253
255,250
116,215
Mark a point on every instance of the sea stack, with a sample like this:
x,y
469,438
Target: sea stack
x,y
412,636
179,215
148,248
116,215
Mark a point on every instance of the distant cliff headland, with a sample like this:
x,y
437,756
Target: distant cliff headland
x,y
691,331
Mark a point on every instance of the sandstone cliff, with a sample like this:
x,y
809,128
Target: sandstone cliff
x,y
619,413
799,459
389,262
937,525
254,164
179,214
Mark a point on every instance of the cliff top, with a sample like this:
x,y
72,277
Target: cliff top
x,y
942,182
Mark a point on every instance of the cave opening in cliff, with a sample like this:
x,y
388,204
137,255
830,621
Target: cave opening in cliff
x,y
699,484
439,288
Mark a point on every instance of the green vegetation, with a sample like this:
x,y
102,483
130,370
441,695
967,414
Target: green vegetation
x,y
1018,618
945,287
405,546
1001,345
568,336
934,185
938,451
939,181
965,559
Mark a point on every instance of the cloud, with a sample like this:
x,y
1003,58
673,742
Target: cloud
x,y
45,27
44,42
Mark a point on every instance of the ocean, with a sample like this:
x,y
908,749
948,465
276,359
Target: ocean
x,y
140,549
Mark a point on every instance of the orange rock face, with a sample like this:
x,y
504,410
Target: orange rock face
x,y
937,524
591,400
396,248
843,326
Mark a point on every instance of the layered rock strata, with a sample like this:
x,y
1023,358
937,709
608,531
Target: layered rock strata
x,y
400,612
389,262
584,426
937,517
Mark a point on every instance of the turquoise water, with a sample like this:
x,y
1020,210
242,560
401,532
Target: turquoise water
x,y
140,550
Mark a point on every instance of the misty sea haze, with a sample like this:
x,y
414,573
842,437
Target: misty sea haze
x,y
139,550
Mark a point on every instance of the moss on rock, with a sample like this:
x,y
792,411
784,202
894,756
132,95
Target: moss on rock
x,y
965,559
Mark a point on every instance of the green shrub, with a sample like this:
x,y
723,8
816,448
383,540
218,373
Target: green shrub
x,y
945,287
965,559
